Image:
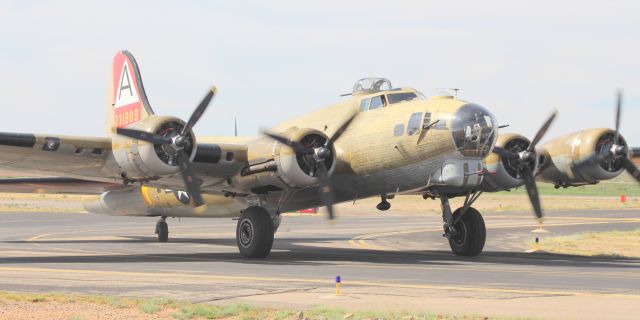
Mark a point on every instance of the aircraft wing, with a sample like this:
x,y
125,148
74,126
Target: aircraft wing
x,y
53,185
81,157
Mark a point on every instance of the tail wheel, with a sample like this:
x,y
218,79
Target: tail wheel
x,y
162,229
254,233
471,233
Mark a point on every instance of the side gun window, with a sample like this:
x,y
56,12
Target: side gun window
x,y
441,125
398,130
415,122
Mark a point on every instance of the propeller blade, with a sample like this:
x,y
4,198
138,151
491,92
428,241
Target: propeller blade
x,y
631,168
618,111
341,130
532,190
505,153
144,136
190,180
295,145
542,131
197,113
326,192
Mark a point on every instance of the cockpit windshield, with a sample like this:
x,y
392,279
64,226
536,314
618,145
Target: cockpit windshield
x,y
401,97
474,131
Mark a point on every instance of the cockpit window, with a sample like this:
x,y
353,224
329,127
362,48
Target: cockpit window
x,y
400,97
474,130
415,123
377,102
364,105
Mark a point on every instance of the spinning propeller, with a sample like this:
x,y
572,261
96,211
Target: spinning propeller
x,y
317,156
525,162
614,150
177,141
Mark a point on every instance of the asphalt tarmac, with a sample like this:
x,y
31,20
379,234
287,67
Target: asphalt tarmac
x,y
385,261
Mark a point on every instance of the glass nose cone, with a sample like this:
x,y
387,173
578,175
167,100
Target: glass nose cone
x,y
474,131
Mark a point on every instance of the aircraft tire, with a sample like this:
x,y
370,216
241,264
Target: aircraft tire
x,y
163,231
254,233
471,236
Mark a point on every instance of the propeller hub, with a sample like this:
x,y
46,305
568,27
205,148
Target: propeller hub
x,y
527,156
322,153
618,150
180,141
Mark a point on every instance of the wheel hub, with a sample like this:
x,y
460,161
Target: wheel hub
x,y
246,233
459,236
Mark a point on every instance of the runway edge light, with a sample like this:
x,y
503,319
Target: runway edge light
x,y
338,282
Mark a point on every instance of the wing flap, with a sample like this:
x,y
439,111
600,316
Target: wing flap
x,y
53,185
55,154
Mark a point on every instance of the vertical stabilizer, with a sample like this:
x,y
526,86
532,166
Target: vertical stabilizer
x,y
127,100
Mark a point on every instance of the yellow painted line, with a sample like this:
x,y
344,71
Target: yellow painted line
x,y
34,238
505,270
361,241
157,275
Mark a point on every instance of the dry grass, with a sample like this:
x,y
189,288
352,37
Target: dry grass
x,y
609,244
31,202
52,305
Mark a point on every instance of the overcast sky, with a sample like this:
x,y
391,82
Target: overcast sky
x,y
276,59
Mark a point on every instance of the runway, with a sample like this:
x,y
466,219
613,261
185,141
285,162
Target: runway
x,y
385,260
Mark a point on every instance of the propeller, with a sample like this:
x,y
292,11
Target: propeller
x,y
177,143
524,160
615,150
319,155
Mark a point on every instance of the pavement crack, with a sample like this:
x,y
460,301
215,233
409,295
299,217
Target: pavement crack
x,y
256,294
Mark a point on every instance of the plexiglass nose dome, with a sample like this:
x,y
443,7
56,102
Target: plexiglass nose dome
x,y
474,131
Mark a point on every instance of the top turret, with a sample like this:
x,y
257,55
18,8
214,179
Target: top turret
x,y
371,85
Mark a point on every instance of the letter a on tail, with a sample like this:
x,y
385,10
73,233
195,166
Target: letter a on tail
x,y
128,101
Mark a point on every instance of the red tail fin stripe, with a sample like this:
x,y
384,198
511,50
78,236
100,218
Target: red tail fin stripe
x,y
128,94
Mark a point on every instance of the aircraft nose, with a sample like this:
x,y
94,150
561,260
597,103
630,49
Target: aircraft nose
x,y
474,130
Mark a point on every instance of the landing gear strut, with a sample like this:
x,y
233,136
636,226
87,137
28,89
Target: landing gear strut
x,y
465,227
254,233
162,230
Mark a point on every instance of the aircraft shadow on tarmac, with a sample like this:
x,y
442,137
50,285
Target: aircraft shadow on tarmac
x,y
291,251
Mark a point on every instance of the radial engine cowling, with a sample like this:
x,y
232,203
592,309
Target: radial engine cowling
x,y
502,173
142,160
301,170
559,158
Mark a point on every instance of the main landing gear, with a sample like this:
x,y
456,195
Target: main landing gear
x,y
162,230
254,233
465,227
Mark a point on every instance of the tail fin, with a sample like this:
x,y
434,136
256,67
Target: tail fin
x,y
128,101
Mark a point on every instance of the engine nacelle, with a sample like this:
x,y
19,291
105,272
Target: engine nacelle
x,y
502,173
143,160
287,169
559,156
298,170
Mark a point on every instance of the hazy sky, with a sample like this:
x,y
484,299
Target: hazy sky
x,y
272,60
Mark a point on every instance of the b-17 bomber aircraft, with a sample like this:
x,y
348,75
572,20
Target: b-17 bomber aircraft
x,y
379,141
